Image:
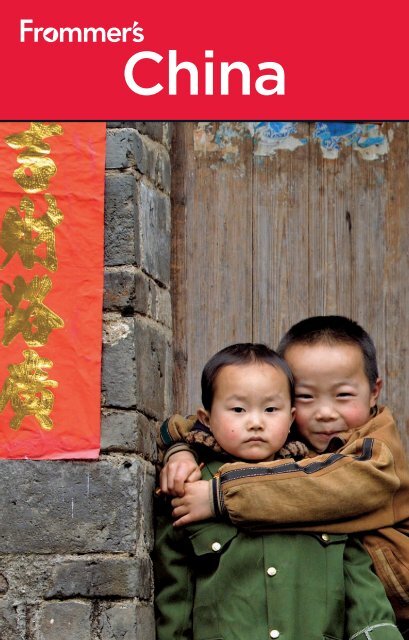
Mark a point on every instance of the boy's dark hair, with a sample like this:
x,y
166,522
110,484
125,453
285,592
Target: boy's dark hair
x,y
332,330
241,354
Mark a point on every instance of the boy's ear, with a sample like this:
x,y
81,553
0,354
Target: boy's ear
x,y
292,414
203,416
376,391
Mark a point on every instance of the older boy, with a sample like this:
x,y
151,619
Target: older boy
x,y
360,480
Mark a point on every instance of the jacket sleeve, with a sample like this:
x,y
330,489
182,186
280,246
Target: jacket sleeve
x,y
171,436
173,582
369,615
344,492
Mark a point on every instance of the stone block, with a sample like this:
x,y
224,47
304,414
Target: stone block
x,y
152,300
120,124
145,628
119,290
145,510
118,363
119,622
69,620
9,628
154,228
159,131
153,354
125,148
70,507
128,431
121,220
129,577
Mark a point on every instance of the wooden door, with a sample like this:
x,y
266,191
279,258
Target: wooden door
x,y
274,222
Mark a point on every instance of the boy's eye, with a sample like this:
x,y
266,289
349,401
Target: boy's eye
x,y
271,409
237,409
344,394
303,396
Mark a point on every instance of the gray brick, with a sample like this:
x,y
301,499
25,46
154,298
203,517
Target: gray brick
x,y
124,577
119,290
159,168
125,148
163,307
143,294
8,621
65,621
153,354
154,221
120,220
68,507
129,290
120,124
145,622
159,131
128,431
145,521
152,300
119,622
118,363
4,585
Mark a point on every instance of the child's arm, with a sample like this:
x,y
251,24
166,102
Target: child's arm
x,y
179,461
181,467
369,615
349,491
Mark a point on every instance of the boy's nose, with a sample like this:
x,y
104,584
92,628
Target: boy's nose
x,y
255,422
326,412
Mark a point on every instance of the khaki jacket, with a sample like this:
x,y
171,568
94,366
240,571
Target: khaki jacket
x,y
362,487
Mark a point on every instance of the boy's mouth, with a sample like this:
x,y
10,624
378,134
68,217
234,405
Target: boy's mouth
x,y
328,435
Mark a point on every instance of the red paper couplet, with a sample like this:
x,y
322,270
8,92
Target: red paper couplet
x,y
51,282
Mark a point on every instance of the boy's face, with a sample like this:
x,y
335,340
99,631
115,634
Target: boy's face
x,y
332,391
251,413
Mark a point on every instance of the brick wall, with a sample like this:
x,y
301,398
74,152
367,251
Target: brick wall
x,y
75,536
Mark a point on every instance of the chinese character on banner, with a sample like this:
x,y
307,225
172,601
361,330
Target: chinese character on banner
x,y
51,281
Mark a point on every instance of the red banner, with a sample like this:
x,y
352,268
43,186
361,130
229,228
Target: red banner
x,y
51,282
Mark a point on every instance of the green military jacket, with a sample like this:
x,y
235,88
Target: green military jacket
x,y
215,582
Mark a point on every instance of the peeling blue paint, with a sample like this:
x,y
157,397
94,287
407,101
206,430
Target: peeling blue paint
x,y
275,129
332,135
272,136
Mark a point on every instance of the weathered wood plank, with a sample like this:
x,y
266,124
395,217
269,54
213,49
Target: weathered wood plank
x,y
369,194
329,240
280,243
181,197
396,277
218,250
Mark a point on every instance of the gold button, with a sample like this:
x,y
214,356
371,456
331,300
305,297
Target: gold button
x,y
216,546
271,571
274,633
325,537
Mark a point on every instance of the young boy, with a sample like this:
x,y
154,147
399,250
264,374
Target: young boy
x,y
358,483
216,582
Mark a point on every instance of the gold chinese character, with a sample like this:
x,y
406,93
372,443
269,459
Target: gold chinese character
x,y
35,321
37,169
23,235
26,390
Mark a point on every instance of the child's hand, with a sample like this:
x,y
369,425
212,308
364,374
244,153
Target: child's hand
x,y
181,467
194,505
